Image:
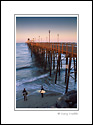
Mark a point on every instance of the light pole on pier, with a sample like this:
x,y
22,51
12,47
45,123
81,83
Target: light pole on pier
x,y
39,38
57,37
49,36
33,39
46,39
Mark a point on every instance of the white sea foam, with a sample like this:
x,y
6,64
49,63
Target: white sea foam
x,y
20,82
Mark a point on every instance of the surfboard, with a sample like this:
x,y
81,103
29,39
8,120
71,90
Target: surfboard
x,y
41,91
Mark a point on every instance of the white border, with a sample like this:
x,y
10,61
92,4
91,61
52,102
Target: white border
x,y
47,109
46,15
8,9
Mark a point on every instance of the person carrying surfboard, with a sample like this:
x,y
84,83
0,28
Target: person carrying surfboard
x,y
42,91
25,93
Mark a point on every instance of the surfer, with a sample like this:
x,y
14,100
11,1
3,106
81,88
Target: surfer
x,y
25,93
41,91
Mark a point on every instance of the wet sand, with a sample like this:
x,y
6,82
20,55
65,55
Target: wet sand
x,y
36,101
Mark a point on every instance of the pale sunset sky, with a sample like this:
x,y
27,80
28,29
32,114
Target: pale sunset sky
x,y
33,27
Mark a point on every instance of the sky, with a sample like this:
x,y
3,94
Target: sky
x,y
33,27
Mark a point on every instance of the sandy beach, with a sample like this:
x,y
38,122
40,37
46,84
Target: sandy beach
x,y
36,101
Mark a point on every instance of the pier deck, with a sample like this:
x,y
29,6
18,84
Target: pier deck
x,y
69,49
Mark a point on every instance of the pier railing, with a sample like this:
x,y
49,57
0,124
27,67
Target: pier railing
x,y
64,48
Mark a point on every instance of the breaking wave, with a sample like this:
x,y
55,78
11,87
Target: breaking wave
x,y
20,82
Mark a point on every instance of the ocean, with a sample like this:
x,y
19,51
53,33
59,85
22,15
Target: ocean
x,y
30,74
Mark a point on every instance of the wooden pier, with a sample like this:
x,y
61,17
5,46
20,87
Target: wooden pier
x,y
48,51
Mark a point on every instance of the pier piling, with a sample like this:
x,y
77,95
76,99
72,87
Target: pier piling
x,y
66,69
67,81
